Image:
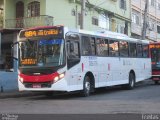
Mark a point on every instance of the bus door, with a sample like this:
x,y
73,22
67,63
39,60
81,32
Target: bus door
x,y
73,58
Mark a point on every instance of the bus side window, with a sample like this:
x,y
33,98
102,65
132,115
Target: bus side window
x,y
132,50
73,50
86,46
113,48
73,53
102,47
139,50
123,46
145,51
93,46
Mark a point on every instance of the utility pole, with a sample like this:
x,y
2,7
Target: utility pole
x,y
144,29
83,9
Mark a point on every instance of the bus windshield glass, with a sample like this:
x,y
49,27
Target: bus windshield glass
x,y
155,57
41,52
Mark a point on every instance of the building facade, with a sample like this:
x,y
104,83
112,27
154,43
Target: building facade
x,y
153,19
112,15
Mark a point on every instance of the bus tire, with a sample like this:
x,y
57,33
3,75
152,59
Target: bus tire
x,y
49,94
156,82
86,87
131,83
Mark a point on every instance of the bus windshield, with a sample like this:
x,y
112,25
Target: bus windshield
x,y
155,57
42,52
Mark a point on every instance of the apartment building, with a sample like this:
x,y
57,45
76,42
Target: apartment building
x,y
113,15
153,19
1,14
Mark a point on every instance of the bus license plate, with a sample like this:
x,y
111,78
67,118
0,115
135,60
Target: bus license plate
x,y
36,86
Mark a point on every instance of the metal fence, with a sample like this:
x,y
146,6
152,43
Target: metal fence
x,y
42,20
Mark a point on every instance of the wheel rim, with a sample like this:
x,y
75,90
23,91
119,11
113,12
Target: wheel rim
x,y
87,87
132,81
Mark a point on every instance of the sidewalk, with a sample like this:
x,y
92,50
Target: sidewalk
x,y
17,94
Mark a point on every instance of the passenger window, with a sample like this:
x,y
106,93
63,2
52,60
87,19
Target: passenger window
x,y
93,48
113,48
139,50
102,47
145,51
132,50
123,46
86,46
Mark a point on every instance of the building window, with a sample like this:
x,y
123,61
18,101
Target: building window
x,y
152,24
33,9
158,6
104,21
135,19
158,29
122,29
95,21
79,18
73,12
19,9
152,3
123,4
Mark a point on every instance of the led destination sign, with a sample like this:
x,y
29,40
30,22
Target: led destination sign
x,y
154,46
41,32
28,61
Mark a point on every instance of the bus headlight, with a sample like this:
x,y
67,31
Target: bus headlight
x,y
61,75
58,77
20,79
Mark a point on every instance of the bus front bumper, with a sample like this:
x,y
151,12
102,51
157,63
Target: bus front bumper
x,y
60,85
155,77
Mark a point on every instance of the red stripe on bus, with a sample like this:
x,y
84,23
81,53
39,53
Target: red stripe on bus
x,y
109,67
82,67
38,78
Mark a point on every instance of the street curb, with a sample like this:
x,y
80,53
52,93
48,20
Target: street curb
x,y
18,94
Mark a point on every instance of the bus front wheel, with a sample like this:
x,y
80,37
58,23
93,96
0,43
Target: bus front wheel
x,y
86,87
156,82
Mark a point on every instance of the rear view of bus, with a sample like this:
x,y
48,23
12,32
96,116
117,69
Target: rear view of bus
x,y
155,57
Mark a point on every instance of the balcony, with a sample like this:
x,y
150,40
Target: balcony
x,y
26,22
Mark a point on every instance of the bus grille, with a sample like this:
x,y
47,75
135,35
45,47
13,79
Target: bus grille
x,y
41,85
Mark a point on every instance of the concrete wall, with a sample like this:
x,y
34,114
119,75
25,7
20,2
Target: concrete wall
x,y
8,81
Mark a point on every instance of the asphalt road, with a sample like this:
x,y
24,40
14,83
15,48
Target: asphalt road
x,y
145,98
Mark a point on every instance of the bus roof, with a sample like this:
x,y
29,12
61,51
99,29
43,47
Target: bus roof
x,y
103,33
154,43
113,35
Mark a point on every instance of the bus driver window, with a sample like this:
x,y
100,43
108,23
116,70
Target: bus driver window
x,y
72,50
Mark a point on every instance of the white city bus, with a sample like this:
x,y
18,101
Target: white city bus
x,y
56,58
